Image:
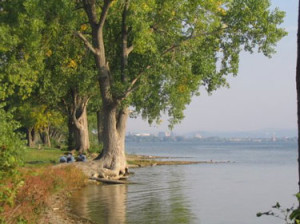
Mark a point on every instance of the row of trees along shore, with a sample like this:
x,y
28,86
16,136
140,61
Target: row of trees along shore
x,y
120,58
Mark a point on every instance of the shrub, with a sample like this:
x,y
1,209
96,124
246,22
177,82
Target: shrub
x,y
11,145
34,193
11,148
288,215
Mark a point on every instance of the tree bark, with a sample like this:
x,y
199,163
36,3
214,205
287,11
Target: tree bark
x,y
82,132
30,137
45,137
80,122
71,131
100,126
112,158
35,136
298,93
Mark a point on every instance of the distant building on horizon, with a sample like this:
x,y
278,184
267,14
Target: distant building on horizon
x,y
143,134
163,134
198,136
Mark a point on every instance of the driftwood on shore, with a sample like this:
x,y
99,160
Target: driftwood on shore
x,y
109,181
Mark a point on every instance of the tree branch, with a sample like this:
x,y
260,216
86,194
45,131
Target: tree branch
x,y
131,87
90,8
129,49
75,120
87,43
104,13
124,57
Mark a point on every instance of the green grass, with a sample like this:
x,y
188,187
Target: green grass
x,y
38,157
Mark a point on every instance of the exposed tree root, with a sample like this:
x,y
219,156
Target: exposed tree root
x,y
112,168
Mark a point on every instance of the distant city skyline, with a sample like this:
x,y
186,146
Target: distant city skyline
x,y
262,96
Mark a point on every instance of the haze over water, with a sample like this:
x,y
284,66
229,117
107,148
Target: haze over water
x,y
259,175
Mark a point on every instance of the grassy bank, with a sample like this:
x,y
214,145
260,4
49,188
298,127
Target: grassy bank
x,y
30,195
35,157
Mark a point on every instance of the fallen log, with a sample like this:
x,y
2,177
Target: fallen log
x,y
108,181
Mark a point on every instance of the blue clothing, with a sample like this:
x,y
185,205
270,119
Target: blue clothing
x,y
70,159
82,158
63,159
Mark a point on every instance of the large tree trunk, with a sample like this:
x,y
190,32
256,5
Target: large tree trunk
x,y
79,119
71,132
113,159
100,126
298,94
45,137
82,143
30,137
35,136
56,135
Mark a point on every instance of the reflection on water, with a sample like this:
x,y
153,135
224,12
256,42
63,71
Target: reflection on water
x,y
101,203
202,193
158,200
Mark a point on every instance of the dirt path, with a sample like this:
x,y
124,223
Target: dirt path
x,y
58,212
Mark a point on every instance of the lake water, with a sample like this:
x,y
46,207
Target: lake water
x,y
259,175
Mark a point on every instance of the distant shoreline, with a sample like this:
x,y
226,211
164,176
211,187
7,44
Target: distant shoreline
x,y
151,138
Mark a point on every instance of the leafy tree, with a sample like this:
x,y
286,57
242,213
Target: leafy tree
x,y
153,55
21,51
10,144
44,60
69,80
28,121
44,120
11,148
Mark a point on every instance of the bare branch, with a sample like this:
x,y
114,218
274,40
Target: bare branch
x,y
170,49
78,8
131,87
129,49
124,58
104,13
87,43
74,118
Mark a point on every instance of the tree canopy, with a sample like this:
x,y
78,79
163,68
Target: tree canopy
x,y
175,46
150,56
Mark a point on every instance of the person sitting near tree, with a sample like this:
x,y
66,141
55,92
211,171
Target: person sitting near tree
x,y
63,159
70,158
81,157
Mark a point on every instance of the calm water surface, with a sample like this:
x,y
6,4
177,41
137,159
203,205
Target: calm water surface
x,y
226,193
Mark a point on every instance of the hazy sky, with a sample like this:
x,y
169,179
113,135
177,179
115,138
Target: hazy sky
x,y
262,96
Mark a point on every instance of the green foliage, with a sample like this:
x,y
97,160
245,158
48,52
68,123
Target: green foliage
x,y
68,66
52,62
179,46
288,215
21,51
38,116
295,215
11,146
